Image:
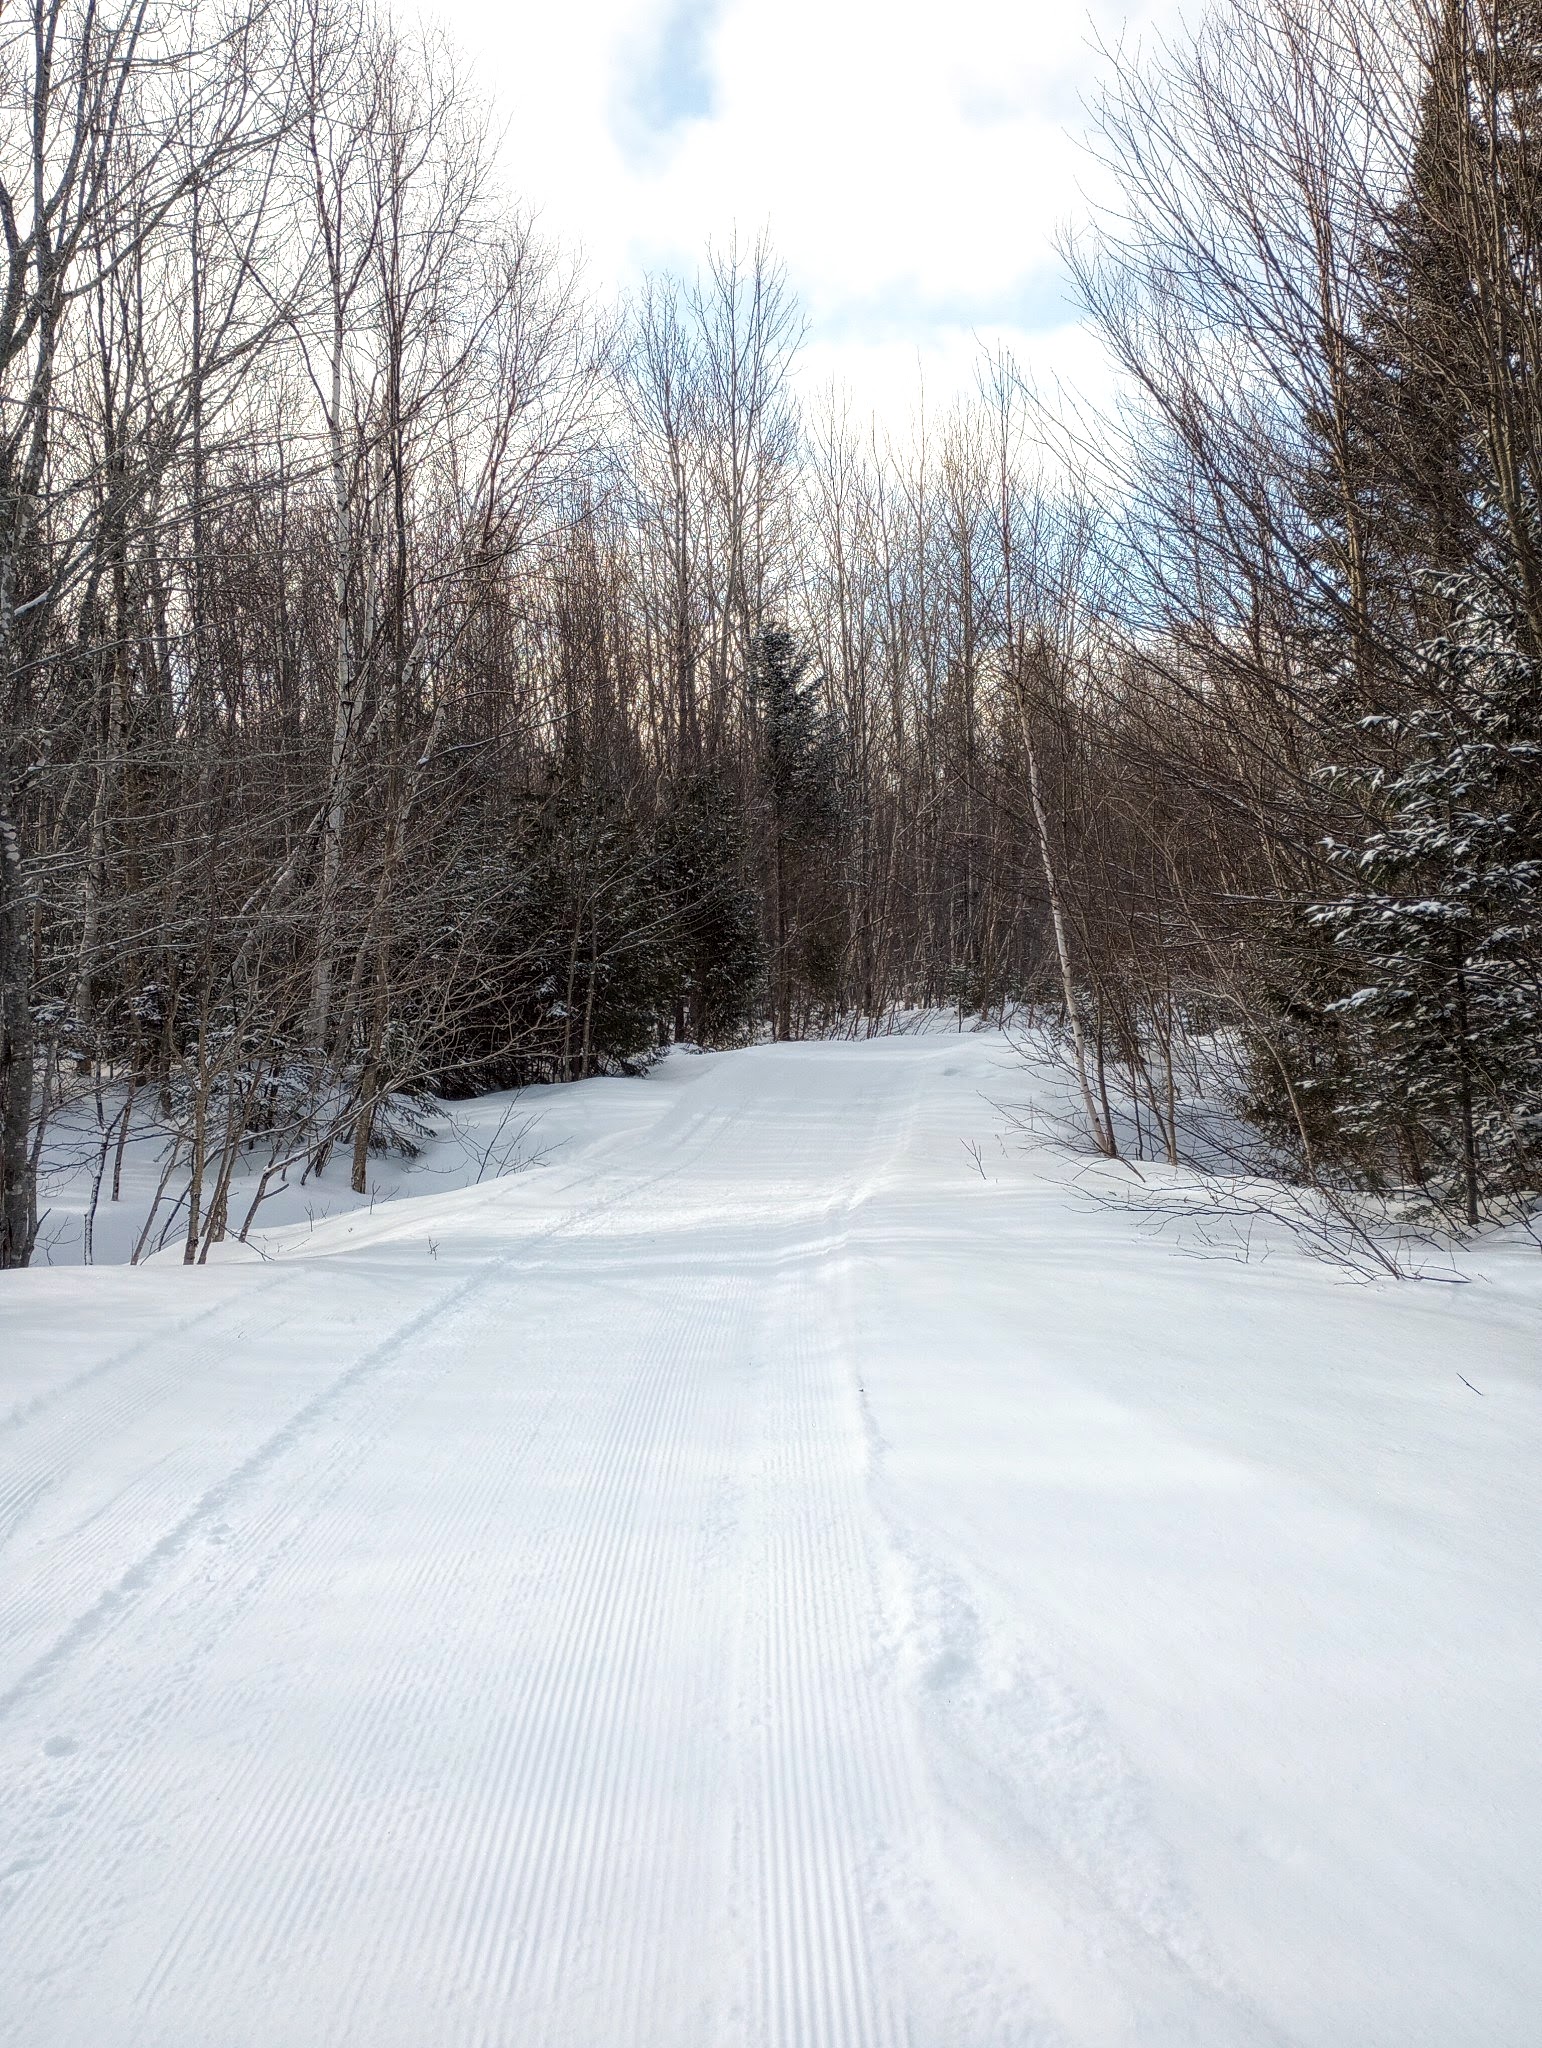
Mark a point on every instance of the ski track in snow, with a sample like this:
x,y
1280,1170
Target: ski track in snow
x,y
547,1617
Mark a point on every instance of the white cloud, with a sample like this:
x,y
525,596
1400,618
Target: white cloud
x,y
911,162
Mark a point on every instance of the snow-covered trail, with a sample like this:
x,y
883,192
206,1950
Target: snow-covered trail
x,y
760,1579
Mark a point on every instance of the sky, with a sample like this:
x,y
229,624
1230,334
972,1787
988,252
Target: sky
x,y
910,162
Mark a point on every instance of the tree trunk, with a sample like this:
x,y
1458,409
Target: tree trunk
x,y
1102,1130
18,1185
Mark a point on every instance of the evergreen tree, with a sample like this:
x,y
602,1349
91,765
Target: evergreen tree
x,y
715,955
1440,914
572,938
800,788
1396,490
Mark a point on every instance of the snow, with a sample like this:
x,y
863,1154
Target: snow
x,y
474,1142
787,1567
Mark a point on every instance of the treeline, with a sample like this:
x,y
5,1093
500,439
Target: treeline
x,y
1323,288
420,675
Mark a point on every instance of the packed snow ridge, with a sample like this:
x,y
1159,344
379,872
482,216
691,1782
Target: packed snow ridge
x,y
788,1567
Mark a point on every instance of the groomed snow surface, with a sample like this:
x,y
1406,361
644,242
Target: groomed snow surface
x,y
790,1568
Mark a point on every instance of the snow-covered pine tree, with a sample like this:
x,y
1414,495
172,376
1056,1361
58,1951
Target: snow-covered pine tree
x,y
1440,915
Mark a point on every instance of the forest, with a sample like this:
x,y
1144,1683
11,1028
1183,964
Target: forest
x,y
422,673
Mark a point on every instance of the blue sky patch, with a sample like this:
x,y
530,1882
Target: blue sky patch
x,y
666,79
